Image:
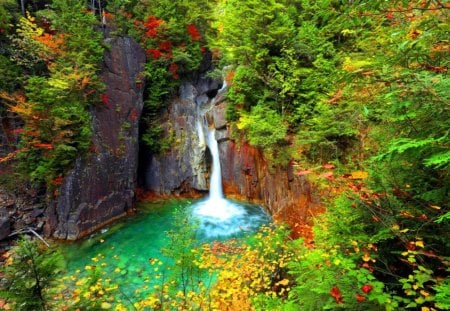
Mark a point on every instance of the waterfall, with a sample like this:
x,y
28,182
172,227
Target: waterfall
x,y
215,184
219,217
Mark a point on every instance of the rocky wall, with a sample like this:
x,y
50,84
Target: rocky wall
x,y
101,186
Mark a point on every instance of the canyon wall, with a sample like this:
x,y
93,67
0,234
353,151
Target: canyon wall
x,y
101,186
246,174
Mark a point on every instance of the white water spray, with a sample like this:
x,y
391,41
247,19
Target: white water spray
x,y
216,207
215,184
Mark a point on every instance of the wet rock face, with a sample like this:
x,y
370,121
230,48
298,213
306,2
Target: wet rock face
x,y
184,169
101,187
247,175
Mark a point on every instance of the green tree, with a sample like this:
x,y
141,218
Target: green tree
x,y
30,274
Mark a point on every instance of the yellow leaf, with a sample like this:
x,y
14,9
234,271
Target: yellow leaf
x,y
435,207
284,282
424,309
359,175
420,244
365,257
424,293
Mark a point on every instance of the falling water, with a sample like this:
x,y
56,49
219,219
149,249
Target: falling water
x,y
215,185
218,216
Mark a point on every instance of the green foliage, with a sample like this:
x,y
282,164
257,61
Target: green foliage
x,y
6,9
443,295
30,274
25,50
173,34
183,274
264,126
284,57
11,74
84,42
56,110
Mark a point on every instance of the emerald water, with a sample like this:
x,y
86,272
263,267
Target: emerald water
x,y
123,249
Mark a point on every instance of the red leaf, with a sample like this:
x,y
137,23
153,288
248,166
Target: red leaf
x,y
360,298
173,68
165,46
43,146
105,99
367,288
336,294
305,172
328,175
328,166
193,32
154,53
57,181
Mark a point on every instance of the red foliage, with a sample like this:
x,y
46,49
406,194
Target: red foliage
x,y
193,32
360,298
104,99
57,181
152,33
165,46
367,288
390,16
173,68
133,115
229,77
327,175
154,53
304,172
151,26
43,146
435,68
336,294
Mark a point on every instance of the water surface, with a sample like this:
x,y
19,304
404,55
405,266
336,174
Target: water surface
x,y
125,248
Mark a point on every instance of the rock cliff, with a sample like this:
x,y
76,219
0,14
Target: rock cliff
x,y
246,174
101,186
184,169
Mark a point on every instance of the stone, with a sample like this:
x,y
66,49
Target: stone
x,y
5,227
219,115
222,135
182,169
37,212
101,186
